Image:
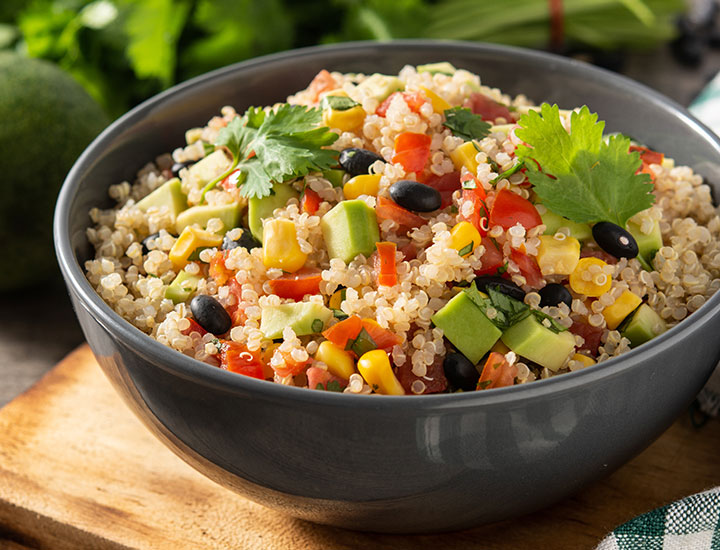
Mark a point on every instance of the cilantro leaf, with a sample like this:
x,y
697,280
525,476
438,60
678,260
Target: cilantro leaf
x,y
287,143
583,177
463,123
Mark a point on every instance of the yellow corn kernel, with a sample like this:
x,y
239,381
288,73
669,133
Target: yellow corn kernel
x,y
339,362
589,278
558,254
280,245
364,184
190,239
438,103
345,121
625,304
584,359
465,156
336,299
464,237
375,368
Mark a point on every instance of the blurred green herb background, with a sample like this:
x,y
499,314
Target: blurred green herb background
x,y
123,51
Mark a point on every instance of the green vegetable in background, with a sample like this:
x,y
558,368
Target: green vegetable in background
x,y
581,176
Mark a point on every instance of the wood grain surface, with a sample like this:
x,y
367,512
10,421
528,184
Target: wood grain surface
x,y
77,470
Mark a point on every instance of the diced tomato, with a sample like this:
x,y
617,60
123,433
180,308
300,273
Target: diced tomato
x,y
492,259
599,254
446,184
414,101
409,251
412,151
590,334
323,82
434,380
487,108
348,329
237,314
290,366
385,266
217,270
479,216
194,327
497,372
321,377
648,156
296,285
528,268
230,183
235,357
510,208
310,201
387,209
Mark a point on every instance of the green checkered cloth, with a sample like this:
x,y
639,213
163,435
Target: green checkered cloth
x,y
692,523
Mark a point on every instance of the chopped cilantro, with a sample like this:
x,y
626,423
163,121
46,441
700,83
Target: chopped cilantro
x,y
583,177
277,146
463,123
338,103
362,343
333,385
484,384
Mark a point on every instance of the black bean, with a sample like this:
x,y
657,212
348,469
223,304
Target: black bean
x,y
505,286
460,372
615,240
555,294
246,240
145,249
356,161
210,315
415,196
175,169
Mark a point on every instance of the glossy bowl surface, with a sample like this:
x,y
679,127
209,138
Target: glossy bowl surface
x,y
392,464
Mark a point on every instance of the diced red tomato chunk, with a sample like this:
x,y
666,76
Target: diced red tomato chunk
x,y
446,184
434,380
323,82
235,357
412,151
487,108
510,208
310,201
414,101
497,372
387,209
318,379
590,334
492,259
528,268
296,285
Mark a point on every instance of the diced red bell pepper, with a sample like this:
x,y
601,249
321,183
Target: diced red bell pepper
x,y
446,184
492,259
235,357
412,151
648,156
528,268
384,263
383,338
387,209
321,377
217,270
291,367
434,380
487,108
510,208
323,82
414,101
296,285
497,372
310,201
348,329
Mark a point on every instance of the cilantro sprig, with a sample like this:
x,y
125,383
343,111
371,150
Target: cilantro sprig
x,y
580,175
465,124
277,146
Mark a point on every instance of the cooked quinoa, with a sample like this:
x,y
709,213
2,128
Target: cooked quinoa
x,y
134,263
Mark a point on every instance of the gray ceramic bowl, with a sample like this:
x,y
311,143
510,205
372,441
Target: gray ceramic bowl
x,y
382,463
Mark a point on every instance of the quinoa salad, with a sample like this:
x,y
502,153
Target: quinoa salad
x,y
406,234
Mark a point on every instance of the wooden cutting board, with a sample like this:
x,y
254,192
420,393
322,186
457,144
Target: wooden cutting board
x,y
77,470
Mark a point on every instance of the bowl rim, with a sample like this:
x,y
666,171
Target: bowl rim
x,y
189,368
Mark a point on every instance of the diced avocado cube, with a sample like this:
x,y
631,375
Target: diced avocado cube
x,y
467,328
182,287
380,86
229,214
261,208
208,168
534,341
645,324
168,194
648,243
334,176
553,222
349,229
443,67
303,317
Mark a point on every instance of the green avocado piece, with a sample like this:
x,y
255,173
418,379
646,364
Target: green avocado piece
x,y
303,317
534,341
207,169
380,86
182,286
334,176
168,194
467,327
349,229
553,222
261,208
645,324
648,243
443,67
202,214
